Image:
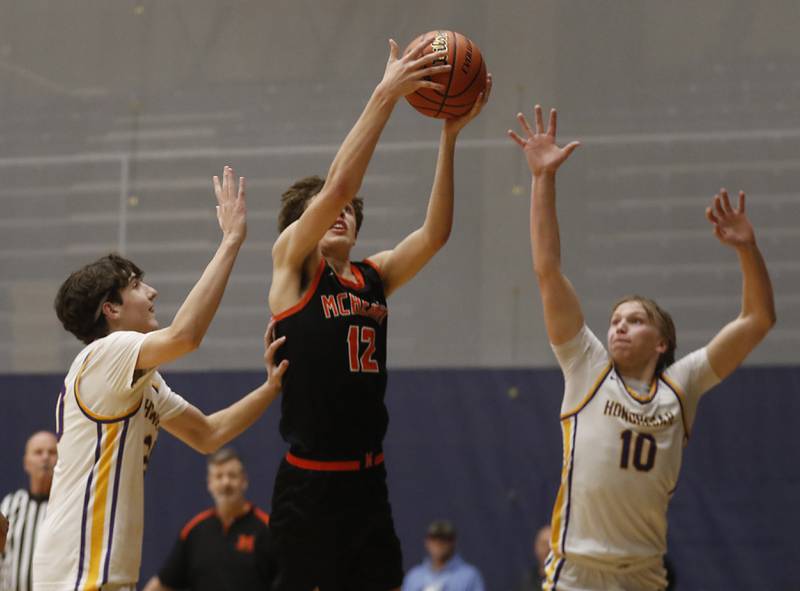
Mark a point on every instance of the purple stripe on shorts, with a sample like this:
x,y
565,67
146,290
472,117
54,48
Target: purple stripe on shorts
x,y
86,498
114,497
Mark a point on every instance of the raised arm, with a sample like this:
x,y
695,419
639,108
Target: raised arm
x,y
403,262
403,75
194,317
562,311
738,338
207,433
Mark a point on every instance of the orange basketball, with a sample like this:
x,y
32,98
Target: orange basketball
x,y
463,83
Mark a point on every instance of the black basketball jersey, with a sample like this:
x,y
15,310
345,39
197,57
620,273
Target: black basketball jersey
x,y
332,406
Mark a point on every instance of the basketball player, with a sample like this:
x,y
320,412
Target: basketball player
x,y
114,401
331,520
627,411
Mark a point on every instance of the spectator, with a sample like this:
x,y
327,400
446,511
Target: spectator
x,y
443,570
25,511
225,547
535,576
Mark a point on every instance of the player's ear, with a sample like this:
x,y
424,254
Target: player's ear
x,y
110,310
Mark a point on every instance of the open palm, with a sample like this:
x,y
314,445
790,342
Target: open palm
x,y
540,148
731,226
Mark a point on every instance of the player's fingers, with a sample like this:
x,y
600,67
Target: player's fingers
x,y
516,138
269,334
431,84
417,49
488,90
281,369
242,188
273,347
551,125
394,49
525,125
570,148
431,71
711,217
539,122
217,188
719,211
726,203
740,209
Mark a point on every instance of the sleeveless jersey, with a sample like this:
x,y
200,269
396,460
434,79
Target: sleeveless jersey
x,y
107,420
332,406
622,453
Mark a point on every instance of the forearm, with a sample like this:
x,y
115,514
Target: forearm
x,y
351,161
545,238
758,303
228,423
439,217
195,315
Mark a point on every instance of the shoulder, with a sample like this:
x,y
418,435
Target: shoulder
x,y
195,521
261,516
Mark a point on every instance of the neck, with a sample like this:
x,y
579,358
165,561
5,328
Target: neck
x,y
439,564
40,486
643,374
340,264
228,512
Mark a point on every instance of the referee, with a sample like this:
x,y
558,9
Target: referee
x,y
25,511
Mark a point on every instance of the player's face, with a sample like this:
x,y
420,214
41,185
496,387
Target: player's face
x,y
633,338
342,234
227,482
137,311
41,453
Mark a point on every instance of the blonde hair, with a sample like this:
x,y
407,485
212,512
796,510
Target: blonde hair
x,y
662,320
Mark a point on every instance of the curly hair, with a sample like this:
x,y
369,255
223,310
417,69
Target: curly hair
x,y
80,298
295,200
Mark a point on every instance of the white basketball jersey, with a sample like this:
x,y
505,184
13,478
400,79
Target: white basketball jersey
x,y
107,420
622,456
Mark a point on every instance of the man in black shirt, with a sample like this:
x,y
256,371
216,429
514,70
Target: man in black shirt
x,y
224,548
331,519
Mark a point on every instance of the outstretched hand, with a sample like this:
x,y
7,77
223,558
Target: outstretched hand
x,y
231,205
541,151
457,124
271,346
410,72
731,226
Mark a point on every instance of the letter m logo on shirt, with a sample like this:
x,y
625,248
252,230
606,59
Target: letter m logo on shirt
x,y
246,543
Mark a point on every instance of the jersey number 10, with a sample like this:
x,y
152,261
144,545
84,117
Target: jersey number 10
x,y
644,451
363,362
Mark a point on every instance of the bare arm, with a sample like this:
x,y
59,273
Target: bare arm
x,y
207,433
402,263
562,310
403,75
195,314
729,348
155,584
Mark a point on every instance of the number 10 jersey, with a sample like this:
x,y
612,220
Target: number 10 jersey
x,y
622,455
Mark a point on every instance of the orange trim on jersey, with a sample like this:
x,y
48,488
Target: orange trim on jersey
x,y
374,266
592,391
200,517
306,298
94,416
681,398
369,461
261,515
359,282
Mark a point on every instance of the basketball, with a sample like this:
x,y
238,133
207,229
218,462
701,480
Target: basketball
x,y
463,83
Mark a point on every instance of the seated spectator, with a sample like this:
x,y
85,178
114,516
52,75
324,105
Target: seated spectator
x,y
443,570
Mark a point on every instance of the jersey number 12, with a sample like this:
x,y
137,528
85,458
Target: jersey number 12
x,y
363,362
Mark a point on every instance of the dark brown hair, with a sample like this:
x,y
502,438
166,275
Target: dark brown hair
x,y
295,200
662,319
80,298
